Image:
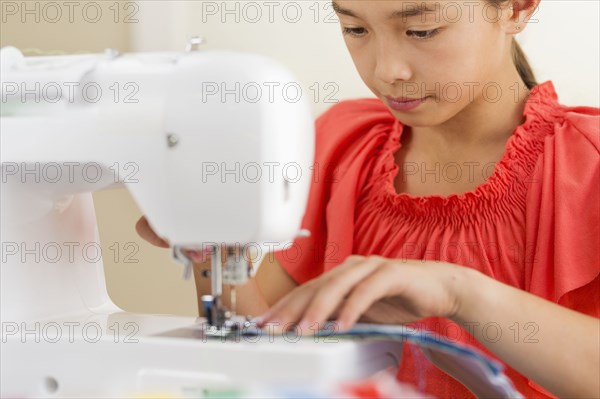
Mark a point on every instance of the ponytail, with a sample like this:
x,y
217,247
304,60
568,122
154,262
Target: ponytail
x,y
522,64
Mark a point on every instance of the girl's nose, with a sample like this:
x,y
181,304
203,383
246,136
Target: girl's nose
x,y
392,64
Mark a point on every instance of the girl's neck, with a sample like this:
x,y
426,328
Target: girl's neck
x,y
482,124
474,139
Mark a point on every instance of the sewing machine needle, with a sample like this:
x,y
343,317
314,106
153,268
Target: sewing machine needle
x,y
187,270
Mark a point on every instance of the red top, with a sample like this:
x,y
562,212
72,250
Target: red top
x,y
534,224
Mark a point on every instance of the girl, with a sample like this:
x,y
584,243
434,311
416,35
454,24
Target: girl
x,y
464,200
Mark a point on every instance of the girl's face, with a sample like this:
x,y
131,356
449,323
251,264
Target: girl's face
x,y
454,54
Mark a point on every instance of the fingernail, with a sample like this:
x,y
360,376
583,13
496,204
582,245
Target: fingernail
x,y
304,325
197,256
264,319
265,315
341,325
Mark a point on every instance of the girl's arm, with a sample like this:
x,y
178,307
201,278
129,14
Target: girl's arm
x,y
552,345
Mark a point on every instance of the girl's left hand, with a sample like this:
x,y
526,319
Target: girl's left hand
x,y
407,290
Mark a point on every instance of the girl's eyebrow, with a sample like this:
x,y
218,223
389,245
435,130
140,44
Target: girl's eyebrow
x,y
409,10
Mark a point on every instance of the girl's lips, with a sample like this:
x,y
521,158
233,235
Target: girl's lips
x,y
400,104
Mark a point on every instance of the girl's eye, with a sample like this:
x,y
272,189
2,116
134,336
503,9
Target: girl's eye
x,y
422,34
356,32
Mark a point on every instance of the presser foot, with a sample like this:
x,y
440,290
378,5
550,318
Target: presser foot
x,y
220,320
234,326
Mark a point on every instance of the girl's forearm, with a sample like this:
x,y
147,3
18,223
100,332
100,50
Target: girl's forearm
x,y
249,299
556,347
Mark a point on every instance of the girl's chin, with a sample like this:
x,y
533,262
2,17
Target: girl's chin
x,y
422,119
432,114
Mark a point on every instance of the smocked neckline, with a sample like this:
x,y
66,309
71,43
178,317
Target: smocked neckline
x,y
541,108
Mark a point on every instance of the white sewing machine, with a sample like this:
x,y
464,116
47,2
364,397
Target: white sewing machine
x,y
161,124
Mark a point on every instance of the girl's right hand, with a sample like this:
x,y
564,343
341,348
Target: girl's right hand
x,y
145,231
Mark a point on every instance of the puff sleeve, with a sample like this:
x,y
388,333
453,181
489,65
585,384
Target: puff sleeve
x,y
563,217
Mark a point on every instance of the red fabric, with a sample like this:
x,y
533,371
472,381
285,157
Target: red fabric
x,y
533,224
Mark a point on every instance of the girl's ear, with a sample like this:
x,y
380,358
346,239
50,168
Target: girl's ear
x,y
521,12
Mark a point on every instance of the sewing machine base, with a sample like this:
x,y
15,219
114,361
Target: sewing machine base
x,y
146,354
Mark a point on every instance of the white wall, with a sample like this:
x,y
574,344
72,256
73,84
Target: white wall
x,y
314,51
561,41
562,45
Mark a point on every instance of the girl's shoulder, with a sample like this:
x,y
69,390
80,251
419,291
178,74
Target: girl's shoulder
x,y
584,122
579,125
563,216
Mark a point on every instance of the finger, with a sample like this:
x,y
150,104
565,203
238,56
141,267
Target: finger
x,y
290,308
197,256
336,313
147,233
364,295
337,287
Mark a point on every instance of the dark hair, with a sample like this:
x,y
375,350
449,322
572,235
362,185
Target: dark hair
x,y
519,57
522,64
